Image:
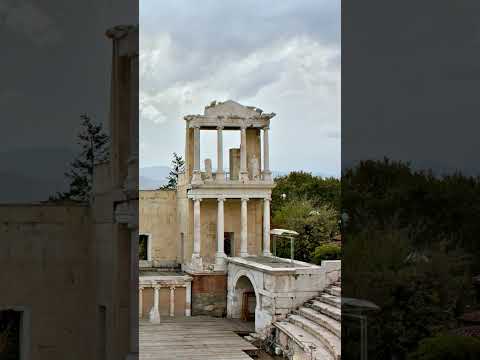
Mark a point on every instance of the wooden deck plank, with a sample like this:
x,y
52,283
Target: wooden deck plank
x,y
194,338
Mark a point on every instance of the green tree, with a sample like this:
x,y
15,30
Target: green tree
x,y
315,226
94,149
178,167
305,186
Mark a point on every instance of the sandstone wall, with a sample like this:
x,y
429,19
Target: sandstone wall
x,y
158,218
47,260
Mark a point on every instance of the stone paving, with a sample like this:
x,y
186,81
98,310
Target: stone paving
x,y
195,338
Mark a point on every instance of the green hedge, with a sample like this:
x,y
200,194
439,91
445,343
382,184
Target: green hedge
x,y
328,251
447,347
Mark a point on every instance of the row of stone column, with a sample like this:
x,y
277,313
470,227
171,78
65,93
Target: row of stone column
x,y
220,255
154,315
243,154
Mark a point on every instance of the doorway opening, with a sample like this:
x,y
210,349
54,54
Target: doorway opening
x,y
10,334
246,299
144,247
228,244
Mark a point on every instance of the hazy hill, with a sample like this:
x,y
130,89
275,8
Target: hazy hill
x,y
29,175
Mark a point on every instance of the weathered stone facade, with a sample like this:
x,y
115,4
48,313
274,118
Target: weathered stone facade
x,y
72,269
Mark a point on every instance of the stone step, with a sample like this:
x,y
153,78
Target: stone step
x,y
249,338
323,320
330,300
334,290
326,309
329,339
305,340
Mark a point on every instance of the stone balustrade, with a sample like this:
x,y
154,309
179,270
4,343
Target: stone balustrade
x,y
147,282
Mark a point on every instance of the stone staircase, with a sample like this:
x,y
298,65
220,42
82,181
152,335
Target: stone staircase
x,y
313,331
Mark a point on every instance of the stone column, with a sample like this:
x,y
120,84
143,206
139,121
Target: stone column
x,y
220,256
196,259
243,154
266,227
244,228
220,176
140,302
154,315
267,174
188,299
197,176
172,301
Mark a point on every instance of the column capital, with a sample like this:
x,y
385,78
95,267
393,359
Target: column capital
x,y
172,287
266,127
220,127
267,198
194,126
221,198
196,198
245,198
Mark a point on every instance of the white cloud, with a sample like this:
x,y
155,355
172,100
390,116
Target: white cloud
x,y
294,73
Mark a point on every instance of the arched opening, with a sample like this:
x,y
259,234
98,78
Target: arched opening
x,y
244,300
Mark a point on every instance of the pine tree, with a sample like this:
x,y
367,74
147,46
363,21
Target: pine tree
x,y
178,167
94,145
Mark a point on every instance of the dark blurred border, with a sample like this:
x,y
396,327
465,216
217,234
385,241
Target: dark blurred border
x,y
69,180
410,183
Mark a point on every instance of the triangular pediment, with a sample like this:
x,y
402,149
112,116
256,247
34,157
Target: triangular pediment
x,y
231,108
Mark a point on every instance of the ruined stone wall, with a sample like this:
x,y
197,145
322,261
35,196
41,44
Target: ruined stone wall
x,y
209,295
158,218
47,255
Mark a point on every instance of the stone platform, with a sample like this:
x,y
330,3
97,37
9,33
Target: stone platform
x,y
195,338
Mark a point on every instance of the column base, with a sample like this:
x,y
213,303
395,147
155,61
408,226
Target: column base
x,y
196,263
266,253
244,176
243,254
220,177
154,316
197,177
220,262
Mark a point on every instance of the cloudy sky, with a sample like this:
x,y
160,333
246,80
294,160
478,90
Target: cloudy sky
x,y
281,56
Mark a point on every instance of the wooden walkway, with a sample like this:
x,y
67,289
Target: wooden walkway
x,y
194,338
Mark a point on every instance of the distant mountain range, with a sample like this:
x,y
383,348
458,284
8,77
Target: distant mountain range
x,y
153,177
32,175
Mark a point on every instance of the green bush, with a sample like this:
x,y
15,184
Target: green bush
x,y
447,347
329,251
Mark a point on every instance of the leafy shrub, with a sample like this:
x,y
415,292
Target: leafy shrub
x,y
328,251
447,347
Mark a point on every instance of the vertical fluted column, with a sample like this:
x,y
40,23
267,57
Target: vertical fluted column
x,y
267,174
244,228
154,313
197,235
197,227
197,177
220,257
243,154
140,302
188,299
220,176
172,300
266,227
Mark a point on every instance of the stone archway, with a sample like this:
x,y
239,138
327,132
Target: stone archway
x,y
242,284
